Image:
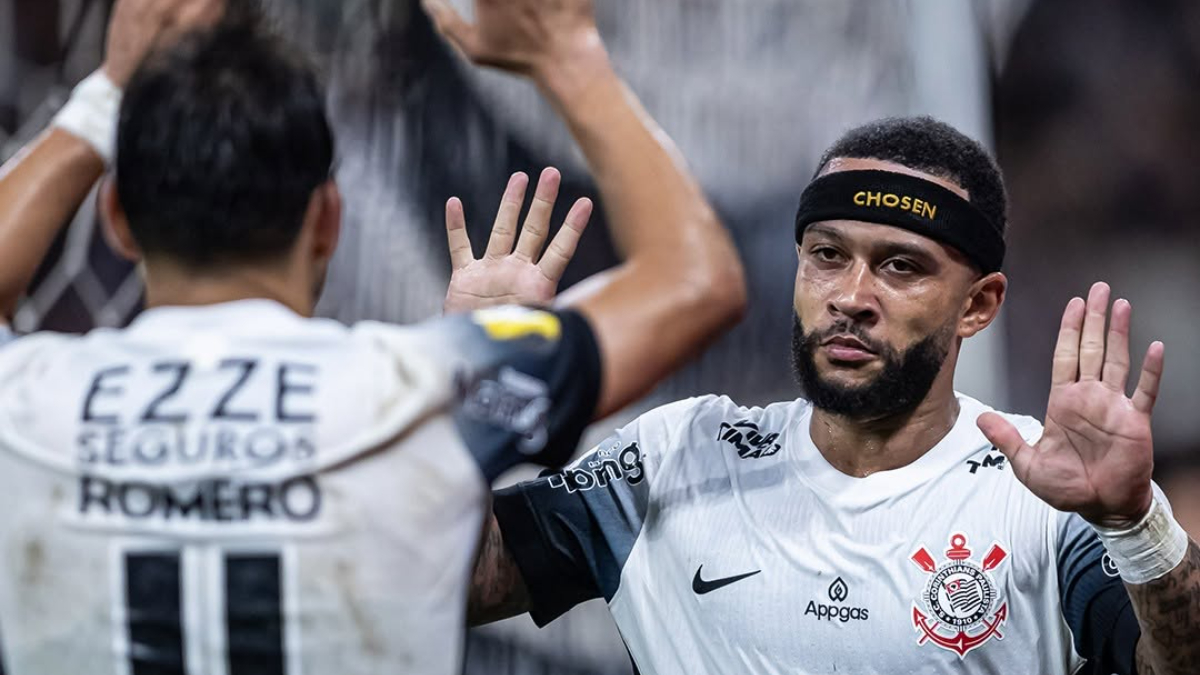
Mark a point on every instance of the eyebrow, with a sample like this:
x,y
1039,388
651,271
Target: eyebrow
x,y
896,248
825,231
887,248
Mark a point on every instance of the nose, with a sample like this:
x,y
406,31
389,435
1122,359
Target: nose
x,y
855,295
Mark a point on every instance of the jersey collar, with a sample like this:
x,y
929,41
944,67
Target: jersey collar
x,y
963,440
258,315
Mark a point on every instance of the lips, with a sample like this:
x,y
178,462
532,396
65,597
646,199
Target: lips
x,y
847,348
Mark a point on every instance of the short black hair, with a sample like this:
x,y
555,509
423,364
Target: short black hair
x,y
926,144
221,142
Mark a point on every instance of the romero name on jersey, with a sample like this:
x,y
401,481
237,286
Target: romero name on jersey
x,y
237,489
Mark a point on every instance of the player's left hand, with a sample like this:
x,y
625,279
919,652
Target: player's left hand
x,y
526,37
504,276
1096,454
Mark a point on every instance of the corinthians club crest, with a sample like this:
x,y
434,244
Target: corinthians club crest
x,y
959,598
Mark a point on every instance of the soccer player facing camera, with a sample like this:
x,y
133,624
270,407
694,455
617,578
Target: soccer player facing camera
x,y
884,523
230,486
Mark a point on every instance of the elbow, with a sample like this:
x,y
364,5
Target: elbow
x,y
720,283
706,278
722,290
9,301
710,297
693,280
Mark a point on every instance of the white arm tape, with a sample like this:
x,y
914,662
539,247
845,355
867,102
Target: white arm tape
x,y
1148,550
91,114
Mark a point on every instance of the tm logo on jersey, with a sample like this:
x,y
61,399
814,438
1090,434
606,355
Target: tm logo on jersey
x,y
987,462
960,595
749,441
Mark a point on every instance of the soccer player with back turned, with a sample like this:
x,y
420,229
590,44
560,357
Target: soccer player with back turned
x,y
230,486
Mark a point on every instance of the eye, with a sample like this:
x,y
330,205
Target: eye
x,y
825,253
901,266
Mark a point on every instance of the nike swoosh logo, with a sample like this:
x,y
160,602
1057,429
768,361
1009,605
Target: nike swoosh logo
x,y
700,586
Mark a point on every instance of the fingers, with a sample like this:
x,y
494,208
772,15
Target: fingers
x,y
1147,387
1116,351
504,230
200,13
562,248
1002,434
1066,351
1091,343
188,16
456,233
537,223
461,35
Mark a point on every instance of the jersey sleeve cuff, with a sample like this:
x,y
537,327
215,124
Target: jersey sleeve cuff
x,y
530,549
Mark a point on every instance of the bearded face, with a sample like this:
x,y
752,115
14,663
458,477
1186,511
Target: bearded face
x,y
902,377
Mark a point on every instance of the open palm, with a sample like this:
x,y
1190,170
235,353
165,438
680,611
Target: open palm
x,y
1096,454
504,275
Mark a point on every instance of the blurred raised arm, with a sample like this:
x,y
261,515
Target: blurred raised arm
x,y
43,185
680,284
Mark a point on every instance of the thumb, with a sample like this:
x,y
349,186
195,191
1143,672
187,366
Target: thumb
x,y
1007,440
452,26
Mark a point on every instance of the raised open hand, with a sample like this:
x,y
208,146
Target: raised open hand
x,y
506,276
1096,454
520,36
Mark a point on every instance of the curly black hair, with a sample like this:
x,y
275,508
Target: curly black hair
x,y
926,144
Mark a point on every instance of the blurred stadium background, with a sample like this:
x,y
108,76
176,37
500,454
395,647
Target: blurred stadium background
x,y
1091,106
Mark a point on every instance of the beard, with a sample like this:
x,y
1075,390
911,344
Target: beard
x,y
898,389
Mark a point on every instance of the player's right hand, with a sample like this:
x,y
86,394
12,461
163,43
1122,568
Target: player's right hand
x,y
522,36
138,27
504,276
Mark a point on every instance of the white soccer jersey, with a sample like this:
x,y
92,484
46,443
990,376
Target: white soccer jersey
x,y
724,543
236,490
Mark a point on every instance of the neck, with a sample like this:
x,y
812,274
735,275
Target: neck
x,y
172,285
860,448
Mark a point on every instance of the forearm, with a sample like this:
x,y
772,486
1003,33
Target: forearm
x,y
40,190
1168,610
497,590
681,281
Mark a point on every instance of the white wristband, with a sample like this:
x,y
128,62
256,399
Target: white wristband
x,y
92,113
1148,550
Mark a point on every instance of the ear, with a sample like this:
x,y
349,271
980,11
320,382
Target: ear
x,y
982,304
115,225
327,216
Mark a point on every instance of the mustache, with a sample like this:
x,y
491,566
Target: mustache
x,y
844,327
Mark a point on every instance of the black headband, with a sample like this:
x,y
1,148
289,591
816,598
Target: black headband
x,y
904,201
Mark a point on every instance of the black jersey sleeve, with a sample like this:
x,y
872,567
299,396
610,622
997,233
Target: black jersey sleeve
x,y
571,532
1095,603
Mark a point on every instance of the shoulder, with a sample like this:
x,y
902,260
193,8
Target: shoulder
x,y
713,420
718,407
988,468
37,390
1030,428
22,355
